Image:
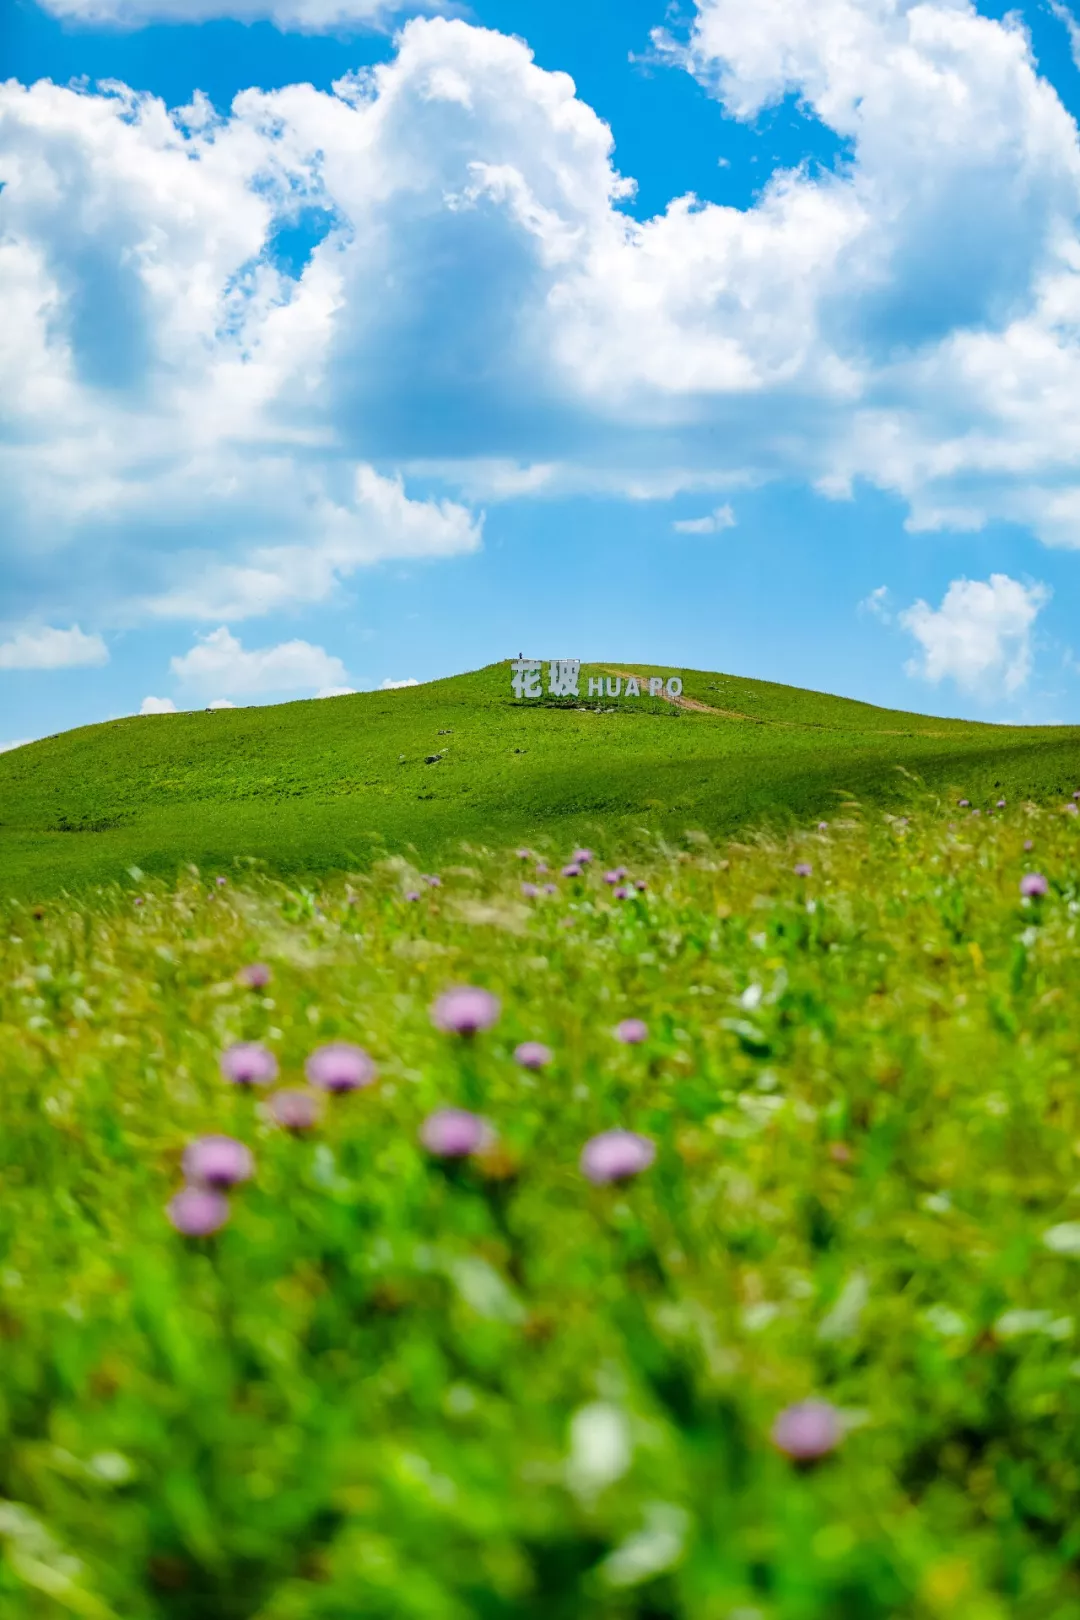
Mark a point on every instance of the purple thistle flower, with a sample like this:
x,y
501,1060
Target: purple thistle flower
x,y
622,892
432,881
295,1110
823,826
221,882
963,804
1076,793
1029,843
1033,885
803,869
530,891
541,868
453,1133
1071,810
255,975
412,894
532,1055
139,901
582,856
218,1161
1001,804
198,1211
641,885
524,854
615,1155
976,812
249,1064
551,888
465,1010
808,1430
571,871
340,1067
632,1031
616,874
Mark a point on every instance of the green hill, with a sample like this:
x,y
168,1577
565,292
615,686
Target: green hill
x,y
322,785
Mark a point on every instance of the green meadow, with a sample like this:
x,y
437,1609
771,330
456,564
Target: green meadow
x,y
328,786
397,1385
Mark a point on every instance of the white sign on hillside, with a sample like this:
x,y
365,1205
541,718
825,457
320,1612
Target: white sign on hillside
x,y
564,680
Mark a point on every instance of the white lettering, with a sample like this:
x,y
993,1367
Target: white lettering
x,y
596,686
613,691
563,674
632,687
526,681
656,685
674,686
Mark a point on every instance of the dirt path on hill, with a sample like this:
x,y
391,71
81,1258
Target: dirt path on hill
x,y
685,702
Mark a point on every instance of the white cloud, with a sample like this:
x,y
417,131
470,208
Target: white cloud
x,y
50,648
156,705
336,691
221,703
721,518
314,16
877,603
219,662
479,302
395,686
981,634
6,747
1065,16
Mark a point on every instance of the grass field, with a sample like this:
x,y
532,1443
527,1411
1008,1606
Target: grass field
x,y
316,787
398,1385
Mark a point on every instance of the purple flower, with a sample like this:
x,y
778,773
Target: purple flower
x,y
452,1133
432,881
218,1161
255,975
1001,804
976,812
622,892
616,874
530,891
641,885
631,1032
541,868
807,1430
248,1064
1071,810
221,882
1033,885
823,826
1029,843
582,856
802,869
571,871
139,901
551,888
1076,793
198,1211
412,894
465,1010
524,854
340,1067
532,1055
963,804
615,1155
295,1110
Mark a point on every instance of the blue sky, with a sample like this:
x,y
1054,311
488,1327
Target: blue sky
x,y
383,370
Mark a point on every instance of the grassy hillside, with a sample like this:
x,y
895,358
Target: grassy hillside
x,y
317,786
397,1386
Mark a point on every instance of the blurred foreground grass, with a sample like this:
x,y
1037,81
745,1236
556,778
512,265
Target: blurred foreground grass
x,y
394,1388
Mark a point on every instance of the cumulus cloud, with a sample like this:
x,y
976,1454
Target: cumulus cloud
x,y
311,16
156,705
218,662
221,703
722,517
980,636
50,648
336,691
476,305
394,686
877,604
6,747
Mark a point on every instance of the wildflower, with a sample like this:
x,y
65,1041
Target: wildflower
x,y
632,1031
532,1055
465,1010
622,892
1076,793
616,1155
976,812
641,885
295,1110
139,901
412,894
1029,843
524,854
823,826
808,1430
582,856
963,804
255,975
432,881
1001,804
616,874
198,1211
802,869
572,871
249,1064
453,1133
221,882
551,888
541,868
340,1067
218,1161
530,891
1033,885
1071,810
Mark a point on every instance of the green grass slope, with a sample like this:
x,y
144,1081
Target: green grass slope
x,y
318,786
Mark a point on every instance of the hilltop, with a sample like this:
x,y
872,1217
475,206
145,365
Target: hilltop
x,y
330,784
